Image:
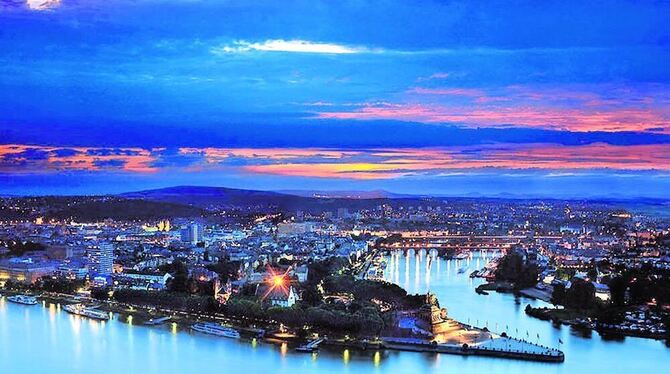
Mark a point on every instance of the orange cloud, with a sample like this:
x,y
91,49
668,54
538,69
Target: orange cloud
x,y
30,158
376,163
392,163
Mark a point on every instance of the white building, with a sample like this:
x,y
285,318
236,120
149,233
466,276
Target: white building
x,y
192,234
101,259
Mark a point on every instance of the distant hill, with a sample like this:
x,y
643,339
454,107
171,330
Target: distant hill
x,y
374,194
126,209
93,208
209,197
206,196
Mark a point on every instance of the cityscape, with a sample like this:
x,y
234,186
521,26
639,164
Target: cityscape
x,y
314,186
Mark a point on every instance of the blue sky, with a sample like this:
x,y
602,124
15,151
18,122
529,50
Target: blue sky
x,y
555,99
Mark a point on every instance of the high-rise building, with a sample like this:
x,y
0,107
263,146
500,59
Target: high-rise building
x,y
342,213
192,234
101,259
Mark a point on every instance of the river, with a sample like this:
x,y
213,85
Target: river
x,y
45,339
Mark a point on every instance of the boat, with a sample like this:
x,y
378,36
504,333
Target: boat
x,y
310,347
81,310
216,329
157,321
23,299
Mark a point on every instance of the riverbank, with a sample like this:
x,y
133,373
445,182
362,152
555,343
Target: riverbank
x,y
586,319
501,347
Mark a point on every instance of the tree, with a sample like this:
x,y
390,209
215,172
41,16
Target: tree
x,y
618,287
558,296
581,295
179,281
512,267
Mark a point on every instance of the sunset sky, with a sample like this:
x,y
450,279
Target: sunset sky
x,y
566,99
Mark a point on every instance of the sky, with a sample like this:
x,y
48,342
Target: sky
x,y
453,98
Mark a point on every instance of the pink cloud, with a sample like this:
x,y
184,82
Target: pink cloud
x,y
568,107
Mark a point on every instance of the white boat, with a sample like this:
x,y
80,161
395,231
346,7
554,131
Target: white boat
x,y
216,329
81,310
23,299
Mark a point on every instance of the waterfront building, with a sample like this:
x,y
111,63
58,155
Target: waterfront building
x,y
25,270
277,296
142,281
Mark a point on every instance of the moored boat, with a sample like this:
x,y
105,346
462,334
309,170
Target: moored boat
x,y
216,329
23,299
81,310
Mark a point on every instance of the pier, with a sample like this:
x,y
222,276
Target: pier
x,y
311,346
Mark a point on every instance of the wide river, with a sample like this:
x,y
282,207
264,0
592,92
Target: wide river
x,y
45,339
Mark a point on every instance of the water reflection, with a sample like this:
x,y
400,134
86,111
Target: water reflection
x,y
377,359
36,339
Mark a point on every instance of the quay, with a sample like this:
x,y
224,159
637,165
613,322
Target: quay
x,y
498,347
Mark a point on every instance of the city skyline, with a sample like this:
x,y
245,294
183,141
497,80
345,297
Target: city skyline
x,y
449,98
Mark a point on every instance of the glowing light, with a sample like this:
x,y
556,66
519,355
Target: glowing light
x,y
278,281
346,356
377,359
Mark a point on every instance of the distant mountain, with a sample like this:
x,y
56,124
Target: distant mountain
x,y
319,201
207,197
373,194
204,196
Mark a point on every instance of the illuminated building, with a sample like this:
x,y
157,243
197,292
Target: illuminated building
x,y
192,234
25,270
101,259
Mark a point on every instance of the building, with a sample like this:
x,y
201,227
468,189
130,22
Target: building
x,y
342,213
192,234
25,270
302,272
142,281
277,296
294,228
101,259
59,252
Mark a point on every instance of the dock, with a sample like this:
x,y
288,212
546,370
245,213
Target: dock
x,y
311,346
